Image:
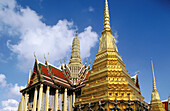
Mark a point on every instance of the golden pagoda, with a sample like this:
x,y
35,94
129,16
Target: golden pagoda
x,y
75,72
155,104
109,81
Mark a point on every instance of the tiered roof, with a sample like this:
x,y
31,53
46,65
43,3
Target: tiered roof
x,y
52,76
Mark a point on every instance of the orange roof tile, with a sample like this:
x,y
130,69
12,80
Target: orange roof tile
x,y
57,72
44,70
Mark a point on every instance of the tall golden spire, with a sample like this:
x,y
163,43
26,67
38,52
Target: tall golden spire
x,y
75,63
75,53
75,72
107,40
155,104
106,25
108,78
154,83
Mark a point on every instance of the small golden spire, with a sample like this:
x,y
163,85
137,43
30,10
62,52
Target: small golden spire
x,y
155,104
106,25
29,77
154,83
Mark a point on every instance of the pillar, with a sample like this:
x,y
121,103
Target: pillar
x,y
71,103
35,99
56,100
62,105
47,98
26,102
74,98
40,97
21,104
65,99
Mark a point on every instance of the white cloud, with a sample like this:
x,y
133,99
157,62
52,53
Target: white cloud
x,y
116,35
11,92
91,9
3,82
36,36
9,105
87,40
14,90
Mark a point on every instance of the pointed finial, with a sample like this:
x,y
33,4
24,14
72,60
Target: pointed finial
x,y
106,25
90,61
45,57
46,62
35,56
86,60
89,64
64,61
61,62
154,83
137,72
48,56
29,77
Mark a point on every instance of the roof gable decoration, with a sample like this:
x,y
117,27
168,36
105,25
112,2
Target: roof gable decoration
x,y
49,70
29,78
55,75
35,76
51,74
136,80
82,74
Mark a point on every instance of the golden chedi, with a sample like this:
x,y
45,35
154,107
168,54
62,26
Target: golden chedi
x,y
109,79
155,104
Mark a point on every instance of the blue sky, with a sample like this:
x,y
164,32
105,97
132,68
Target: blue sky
x,y
141,27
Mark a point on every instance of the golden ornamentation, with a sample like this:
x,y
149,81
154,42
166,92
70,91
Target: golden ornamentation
x,y
155,104
109,79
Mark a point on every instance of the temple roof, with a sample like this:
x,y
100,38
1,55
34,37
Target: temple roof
x,y
51,75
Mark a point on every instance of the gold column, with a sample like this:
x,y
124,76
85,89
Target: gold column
x,y
74,98
56,100
43,106
40,97
35,99
65,99
71,102
26,101
21,104
47,98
